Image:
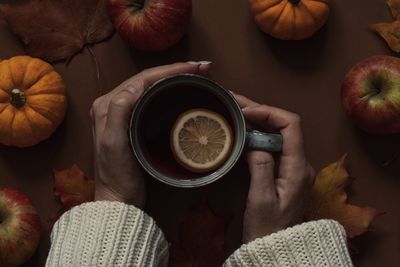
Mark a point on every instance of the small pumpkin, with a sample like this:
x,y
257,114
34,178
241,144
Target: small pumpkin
x,y
290,19
32,101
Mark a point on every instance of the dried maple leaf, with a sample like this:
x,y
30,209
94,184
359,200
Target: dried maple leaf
x,y
394,6
328,200
56,30
201,241
390,32
73,187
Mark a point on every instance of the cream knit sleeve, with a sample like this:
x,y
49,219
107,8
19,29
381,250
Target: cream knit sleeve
x,y
317,243
106,233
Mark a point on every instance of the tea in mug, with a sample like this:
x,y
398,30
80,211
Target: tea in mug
x,y
178,111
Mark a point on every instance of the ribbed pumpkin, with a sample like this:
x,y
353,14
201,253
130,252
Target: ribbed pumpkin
x,y
32,101
290,19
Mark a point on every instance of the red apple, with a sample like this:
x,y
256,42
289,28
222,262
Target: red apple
x,y
371,94
150,25
19,228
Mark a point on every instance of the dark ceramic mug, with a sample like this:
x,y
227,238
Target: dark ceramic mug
x,y
156,111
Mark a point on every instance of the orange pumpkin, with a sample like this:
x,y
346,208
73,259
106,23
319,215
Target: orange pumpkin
x,y
290,19
32,101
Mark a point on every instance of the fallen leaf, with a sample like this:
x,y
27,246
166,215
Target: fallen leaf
x,y
394,6
390,32
201,241
57,30
328,200
73,187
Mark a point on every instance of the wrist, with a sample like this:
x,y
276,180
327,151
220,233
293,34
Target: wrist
x,y
105,194
109,194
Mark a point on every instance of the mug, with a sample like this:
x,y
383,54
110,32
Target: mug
x,y
156,111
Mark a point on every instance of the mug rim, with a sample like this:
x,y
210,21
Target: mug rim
x,y
209,178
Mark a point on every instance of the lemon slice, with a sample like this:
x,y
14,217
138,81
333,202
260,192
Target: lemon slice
x,y
201,140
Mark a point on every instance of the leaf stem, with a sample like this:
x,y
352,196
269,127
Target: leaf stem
x,y
97,67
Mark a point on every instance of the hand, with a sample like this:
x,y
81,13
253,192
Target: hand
x,y
118,175
275,203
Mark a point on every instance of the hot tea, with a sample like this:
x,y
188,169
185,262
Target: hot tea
x,y
158,118
189,100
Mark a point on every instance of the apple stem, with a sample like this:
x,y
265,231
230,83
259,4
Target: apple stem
x,y
97,67
294,2
137,6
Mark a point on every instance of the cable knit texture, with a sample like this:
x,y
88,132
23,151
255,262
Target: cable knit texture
x,y
318,243
106,233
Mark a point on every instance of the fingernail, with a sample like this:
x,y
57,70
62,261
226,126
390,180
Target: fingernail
x,y
203,62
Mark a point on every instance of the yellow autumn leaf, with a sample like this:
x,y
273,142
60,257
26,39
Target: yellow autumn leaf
x,y
328,200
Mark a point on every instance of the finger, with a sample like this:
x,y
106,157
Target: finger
x,y
98,114
92,124
150,76
94,139
262,185
286,122
120,109
244,101
292,157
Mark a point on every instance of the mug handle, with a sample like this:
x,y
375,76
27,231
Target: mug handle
x,y
268,142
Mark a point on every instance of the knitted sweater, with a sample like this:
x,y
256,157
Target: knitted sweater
x,y
105,233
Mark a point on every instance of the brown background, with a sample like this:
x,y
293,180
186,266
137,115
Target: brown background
x,y
303,77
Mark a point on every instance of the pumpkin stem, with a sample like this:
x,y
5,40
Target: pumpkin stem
x,y
18,98
294,2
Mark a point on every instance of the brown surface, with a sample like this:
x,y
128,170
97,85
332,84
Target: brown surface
x,y
304,77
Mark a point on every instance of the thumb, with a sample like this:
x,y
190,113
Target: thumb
x,y
262,185
120,108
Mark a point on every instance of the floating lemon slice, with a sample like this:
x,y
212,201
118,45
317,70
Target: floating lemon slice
x,y
201,140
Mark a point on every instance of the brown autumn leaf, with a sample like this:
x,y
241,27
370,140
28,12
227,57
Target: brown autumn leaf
x,y
57,30
390,32
328,200
72,187
201,241
394,6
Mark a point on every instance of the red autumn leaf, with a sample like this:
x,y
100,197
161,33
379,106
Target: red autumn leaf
x,y
201,241
56,30
73,187
328,200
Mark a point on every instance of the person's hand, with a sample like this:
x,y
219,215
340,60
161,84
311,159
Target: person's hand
x,y
118,175
277,188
